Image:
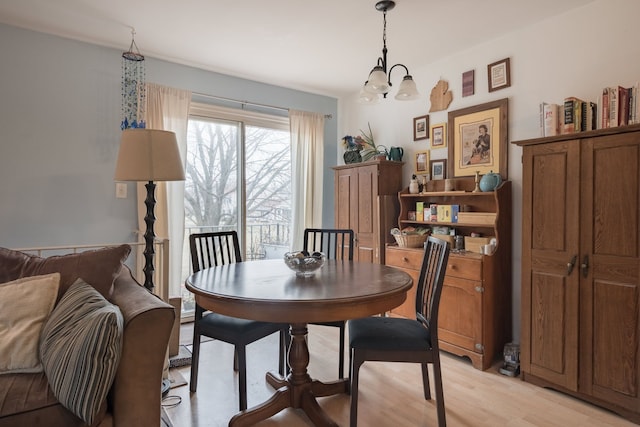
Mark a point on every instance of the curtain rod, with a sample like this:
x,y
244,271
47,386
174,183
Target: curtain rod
x,y
205,95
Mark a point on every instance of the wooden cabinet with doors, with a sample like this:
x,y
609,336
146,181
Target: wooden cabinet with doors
x,y
475,306
581,266
366,201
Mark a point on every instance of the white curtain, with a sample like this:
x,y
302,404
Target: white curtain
x,y
168,109
307,154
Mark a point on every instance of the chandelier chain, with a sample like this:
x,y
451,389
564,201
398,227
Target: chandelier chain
x,y
384,29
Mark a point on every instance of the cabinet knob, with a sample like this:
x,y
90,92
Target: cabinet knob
x,y
405,259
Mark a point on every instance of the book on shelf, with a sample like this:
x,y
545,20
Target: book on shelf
x,y
624,107
630,101
572,115
613,107
589,116
633,107
604,107
549,119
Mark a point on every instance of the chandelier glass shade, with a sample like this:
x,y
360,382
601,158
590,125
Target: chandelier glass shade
x,y
379,81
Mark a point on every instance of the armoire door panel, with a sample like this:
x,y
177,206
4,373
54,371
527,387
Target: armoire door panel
x,y
554,330
343,207
615,304
551,199
365,201
549,194
610,287
615,200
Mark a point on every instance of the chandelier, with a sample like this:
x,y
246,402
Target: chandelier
x,y
133,90
379,81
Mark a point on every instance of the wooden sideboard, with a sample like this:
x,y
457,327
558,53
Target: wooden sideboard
x,y
475,307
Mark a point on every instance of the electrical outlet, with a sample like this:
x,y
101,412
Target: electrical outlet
x,y
121,190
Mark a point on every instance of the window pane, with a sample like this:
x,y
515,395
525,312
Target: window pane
x,y
268,189
211,185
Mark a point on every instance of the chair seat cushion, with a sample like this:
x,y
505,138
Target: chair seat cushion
x,y
337,323
388,333
228,328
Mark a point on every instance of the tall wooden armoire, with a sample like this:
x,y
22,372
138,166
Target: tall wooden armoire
x,y
581,266
366,201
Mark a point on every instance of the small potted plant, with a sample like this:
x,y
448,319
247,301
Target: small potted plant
x,y
369,148
362,148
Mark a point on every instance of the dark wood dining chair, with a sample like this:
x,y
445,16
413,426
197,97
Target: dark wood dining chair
x,y
335,244
214,249
393,339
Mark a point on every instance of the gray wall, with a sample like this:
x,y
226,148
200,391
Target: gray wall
x,y
60,104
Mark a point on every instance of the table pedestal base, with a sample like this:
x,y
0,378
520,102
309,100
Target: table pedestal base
x,y
297,390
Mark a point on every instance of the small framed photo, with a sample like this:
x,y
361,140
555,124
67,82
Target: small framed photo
x,y
422,163
438,134
438,169
420,128
499,74
468,83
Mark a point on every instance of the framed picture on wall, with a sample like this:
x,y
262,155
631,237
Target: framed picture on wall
x,y
478,140
438,135
438,169
499,74
421,166
420,128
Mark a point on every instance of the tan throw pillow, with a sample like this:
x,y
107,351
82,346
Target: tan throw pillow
x,y
99,267
80,349
25,305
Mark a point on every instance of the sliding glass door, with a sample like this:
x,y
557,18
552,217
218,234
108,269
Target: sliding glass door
x,y
238,177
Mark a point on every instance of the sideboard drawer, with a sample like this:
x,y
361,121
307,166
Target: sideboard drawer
x,y
464,267
404,258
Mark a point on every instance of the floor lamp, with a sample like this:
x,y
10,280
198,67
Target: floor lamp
x,y
149,155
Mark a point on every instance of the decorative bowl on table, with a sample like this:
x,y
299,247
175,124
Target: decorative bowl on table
x,y
304,263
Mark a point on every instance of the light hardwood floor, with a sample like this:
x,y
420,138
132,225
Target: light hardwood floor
x,y
390,393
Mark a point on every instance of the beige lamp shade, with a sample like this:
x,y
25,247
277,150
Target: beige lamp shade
x,y
148,155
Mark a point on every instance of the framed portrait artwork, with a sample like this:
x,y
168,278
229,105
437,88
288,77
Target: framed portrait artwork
x,y
438,169
478,140
421,166
438,135
499,74
420,128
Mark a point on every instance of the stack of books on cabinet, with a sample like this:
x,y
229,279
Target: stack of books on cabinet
x,y
615,106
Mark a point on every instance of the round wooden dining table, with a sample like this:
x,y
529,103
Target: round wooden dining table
x,y
268,290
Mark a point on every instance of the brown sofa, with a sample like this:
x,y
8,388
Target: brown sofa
x,y
134,399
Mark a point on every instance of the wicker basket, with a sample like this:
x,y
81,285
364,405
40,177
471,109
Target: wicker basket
x,y
410,240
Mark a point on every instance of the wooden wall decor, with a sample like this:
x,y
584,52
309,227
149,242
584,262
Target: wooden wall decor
x,y
440,97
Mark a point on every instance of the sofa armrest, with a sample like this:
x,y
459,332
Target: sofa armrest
x,y
136,391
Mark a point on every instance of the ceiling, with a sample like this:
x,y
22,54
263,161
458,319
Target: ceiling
x,y
326,47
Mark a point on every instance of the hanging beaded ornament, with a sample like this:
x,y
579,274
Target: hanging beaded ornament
x,y
133,89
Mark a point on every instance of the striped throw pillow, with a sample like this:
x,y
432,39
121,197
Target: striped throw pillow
x,y
80,349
